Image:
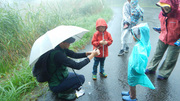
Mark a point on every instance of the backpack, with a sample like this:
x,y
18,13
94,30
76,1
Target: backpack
x,y
40,69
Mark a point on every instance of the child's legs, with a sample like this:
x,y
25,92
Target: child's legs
x,y
124,38
132,92
102,65
96,62
125,45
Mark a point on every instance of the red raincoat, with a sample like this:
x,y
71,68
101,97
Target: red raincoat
x,y
98,36
170,23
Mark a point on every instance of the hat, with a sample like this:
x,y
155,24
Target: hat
x,y
160,4
70,40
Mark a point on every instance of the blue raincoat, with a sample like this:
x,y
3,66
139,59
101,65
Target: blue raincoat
x,y
139,58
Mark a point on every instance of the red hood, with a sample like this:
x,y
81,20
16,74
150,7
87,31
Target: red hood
x,y
175,12
101,22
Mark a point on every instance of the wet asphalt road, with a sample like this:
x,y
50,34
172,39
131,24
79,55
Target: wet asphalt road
x,y
109,89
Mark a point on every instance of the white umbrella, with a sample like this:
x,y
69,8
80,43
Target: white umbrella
x,y
51,39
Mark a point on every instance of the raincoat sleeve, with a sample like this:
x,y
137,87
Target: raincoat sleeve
x,y
95,41
127,12
141,12
110,40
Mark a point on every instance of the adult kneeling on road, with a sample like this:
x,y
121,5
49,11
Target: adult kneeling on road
x,y
64,83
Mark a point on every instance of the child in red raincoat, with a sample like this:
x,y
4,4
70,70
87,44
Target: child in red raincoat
x,y
101,40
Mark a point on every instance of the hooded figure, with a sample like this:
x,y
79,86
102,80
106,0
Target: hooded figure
x,y
139,57
132,12
101,40
138,62
169,21
175,9
169,18
98,36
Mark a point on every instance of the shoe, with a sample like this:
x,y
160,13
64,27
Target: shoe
x,y
157,29
121,52
103,74
125,93
94,77
128,98
149,71
127,49
161,78
67,97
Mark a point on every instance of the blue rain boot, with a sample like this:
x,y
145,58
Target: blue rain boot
x,y
128,98
125,93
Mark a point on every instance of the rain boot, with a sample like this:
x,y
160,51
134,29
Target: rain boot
x,y
128,98
125,93
68,95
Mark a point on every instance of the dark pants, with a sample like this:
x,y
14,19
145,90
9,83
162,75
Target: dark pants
x,y
71,82
96,63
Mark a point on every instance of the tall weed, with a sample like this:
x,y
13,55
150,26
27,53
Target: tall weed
x,y
21,27
18,82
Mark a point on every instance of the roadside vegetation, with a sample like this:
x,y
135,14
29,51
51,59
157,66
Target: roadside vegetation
x,y
20,27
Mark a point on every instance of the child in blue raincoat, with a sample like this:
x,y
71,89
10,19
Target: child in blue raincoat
x,y
138,61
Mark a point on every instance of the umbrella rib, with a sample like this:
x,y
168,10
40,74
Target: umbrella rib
x,y
78,36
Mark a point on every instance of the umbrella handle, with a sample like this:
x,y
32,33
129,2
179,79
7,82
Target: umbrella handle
x,y
77,77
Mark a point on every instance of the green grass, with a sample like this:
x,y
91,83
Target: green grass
x,y
21,27
18,82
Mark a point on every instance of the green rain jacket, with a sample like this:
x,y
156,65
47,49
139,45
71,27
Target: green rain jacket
x,y
60,60
139,58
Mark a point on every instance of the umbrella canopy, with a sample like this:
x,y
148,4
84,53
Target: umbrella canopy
x,y
52,38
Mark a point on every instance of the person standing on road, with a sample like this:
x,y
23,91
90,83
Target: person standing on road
x,y
132,12
138,62
170,32
62,82
101,40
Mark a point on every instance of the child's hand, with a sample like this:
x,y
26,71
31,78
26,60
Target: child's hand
x,y
103,42
125,26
